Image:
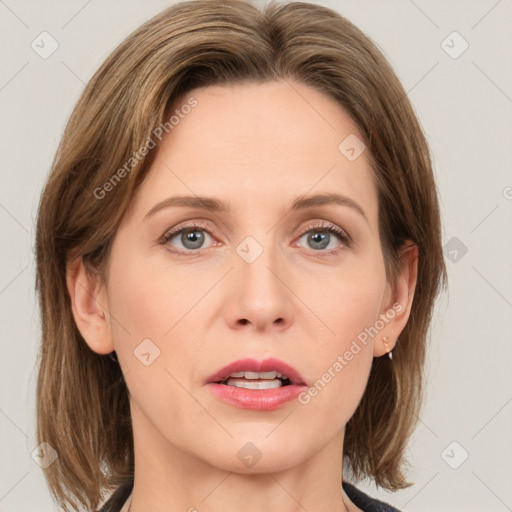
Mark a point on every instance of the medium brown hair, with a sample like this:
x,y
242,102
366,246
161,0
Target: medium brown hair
x,y
82,400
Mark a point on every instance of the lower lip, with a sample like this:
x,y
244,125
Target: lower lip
x,y
258,399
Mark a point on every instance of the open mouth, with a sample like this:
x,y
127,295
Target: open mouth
x,y
259,385
256,380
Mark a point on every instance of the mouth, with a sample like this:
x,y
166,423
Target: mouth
x,y
252,374
258,385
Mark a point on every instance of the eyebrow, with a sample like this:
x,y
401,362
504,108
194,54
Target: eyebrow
x,y
214,205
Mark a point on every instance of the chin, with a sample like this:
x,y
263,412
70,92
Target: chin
x,y
259,456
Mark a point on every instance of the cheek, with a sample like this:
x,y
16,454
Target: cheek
x,y
147,300
153,308
149,308
350,300
342,358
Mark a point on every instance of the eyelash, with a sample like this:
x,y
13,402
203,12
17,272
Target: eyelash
x,y
322,226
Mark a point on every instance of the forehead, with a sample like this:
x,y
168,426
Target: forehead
x,y
247,117
257,144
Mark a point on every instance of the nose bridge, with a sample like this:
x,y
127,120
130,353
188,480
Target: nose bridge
x,y
260,297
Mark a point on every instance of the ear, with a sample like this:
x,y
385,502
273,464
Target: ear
x,y
397,303
89,306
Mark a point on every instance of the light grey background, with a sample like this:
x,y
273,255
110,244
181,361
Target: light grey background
x,y
465,107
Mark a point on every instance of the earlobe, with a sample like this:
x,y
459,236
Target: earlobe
x,y
89,306
389,351
398,303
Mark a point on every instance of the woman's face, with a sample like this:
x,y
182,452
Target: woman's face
x,y
256,279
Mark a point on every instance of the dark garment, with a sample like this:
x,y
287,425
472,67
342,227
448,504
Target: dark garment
x,y
360,499
364,502
120,495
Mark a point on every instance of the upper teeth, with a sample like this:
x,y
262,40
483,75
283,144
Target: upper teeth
x,y
258,375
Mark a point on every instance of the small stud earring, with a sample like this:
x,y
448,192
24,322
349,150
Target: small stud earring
x,y
385,339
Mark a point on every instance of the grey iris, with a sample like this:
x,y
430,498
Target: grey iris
x,y
196,238
321,237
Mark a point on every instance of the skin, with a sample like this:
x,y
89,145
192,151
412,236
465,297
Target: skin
x,y
255,147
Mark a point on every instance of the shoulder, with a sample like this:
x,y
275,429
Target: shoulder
x,y
365,502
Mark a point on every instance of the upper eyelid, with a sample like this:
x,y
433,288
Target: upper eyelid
x,y
319,224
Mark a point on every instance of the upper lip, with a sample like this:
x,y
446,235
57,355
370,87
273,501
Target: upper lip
x,y
253,365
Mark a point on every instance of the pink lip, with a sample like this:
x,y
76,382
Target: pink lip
x,y
252,365
258,399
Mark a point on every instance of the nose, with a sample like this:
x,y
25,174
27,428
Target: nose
x,y
259,298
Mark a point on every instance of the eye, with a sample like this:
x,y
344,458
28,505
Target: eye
x,y
191,237
320,236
